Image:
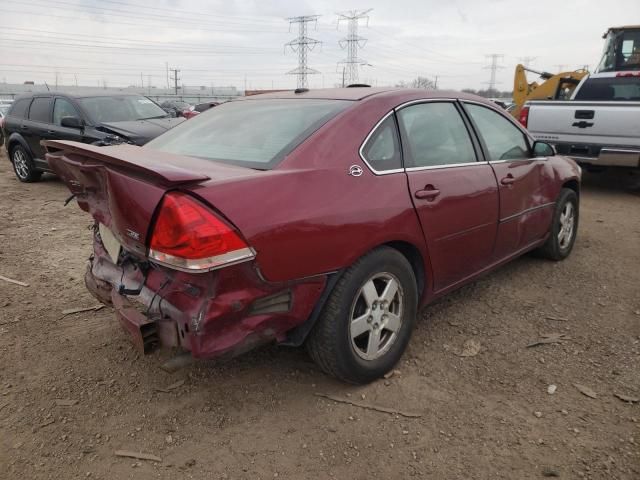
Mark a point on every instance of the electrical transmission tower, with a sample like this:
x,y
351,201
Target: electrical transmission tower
x,y
351,43
495,57
301,46
526,61
175,79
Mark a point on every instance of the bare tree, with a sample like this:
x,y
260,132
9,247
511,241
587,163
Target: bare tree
x,y
418,82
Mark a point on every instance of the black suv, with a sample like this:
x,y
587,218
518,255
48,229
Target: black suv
x,y
103,119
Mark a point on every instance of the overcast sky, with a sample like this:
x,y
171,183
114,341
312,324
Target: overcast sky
x,y
230,42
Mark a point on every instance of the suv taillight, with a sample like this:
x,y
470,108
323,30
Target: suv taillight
x,y
524,116
188,236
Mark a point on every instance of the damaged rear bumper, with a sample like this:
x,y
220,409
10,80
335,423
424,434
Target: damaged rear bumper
x,y
220,313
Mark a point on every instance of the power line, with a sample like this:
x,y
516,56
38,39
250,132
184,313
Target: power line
x,y
495,57
351,43
301,46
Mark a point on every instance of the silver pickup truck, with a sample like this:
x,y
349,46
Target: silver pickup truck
x,y
598,127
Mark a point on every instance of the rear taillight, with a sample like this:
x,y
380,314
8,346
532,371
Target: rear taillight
x,y
189,236
524,116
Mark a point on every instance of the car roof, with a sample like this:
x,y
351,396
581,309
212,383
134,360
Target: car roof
x,y
362,93
77,95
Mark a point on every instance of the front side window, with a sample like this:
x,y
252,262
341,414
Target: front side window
x,y
435,135
502,139
40,110
250,133
63,108
382,150
124,108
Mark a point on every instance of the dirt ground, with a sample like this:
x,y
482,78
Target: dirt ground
x,y
258,416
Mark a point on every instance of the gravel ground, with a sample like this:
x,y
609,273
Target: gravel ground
x,y
73,390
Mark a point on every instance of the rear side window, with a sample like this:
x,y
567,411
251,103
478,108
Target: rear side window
x,y
503,140
382,150
251,133
435,135
610,88
20,107
63,108
40,110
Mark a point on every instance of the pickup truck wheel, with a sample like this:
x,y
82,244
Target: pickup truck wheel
x,y
23,165
367,321
564,227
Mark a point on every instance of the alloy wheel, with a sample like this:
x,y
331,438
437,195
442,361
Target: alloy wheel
x,y
21,164
376,316
567,225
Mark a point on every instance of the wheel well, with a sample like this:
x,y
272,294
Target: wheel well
x,y
13,143
412,254
573,185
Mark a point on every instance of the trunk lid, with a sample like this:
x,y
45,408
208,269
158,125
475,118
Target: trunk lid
x,y
122,185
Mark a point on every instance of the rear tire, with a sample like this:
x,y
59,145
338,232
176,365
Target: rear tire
x,y
23,165
366,323
564,227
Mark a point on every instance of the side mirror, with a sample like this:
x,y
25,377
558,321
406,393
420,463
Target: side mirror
x,y
72,122
543,149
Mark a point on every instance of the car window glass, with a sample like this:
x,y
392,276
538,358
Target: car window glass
x,y
39,111
503,140
251,133
63,108
435,135
382,150
120,108
19,108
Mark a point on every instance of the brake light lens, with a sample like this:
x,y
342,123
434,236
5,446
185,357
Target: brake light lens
x,y
188,236
524,116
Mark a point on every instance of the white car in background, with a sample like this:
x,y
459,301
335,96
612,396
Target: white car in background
x,y
4,108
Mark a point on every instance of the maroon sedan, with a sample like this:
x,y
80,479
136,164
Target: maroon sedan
x,y
322,217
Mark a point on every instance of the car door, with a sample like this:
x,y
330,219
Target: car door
x,y
525,211
64,108
455,194
38,123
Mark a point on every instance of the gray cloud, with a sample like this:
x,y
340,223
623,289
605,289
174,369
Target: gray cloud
x,y
224,42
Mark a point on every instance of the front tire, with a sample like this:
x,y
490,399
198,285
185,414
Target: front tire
x,y
564,227
23,165
366,323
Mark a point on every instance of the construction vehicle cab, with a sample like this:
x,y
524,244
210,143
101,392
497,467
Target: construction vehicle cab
x,y
621,49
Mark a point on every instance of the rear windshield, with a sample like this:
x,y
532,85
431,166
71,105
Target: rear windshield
x,y
252,133
610,88
120,109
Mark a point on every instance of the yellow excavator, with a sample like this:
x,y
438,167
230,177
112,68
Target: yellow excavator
x,y
554,86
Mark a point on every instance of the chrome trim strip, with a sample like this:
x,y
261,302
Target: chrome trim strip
x,y
202,265
451,165
519,160
424,100
529,210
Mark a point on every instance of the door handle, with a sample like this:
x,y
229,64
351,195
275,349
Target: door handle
x,y
50,132
508,180
24,127
428,193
